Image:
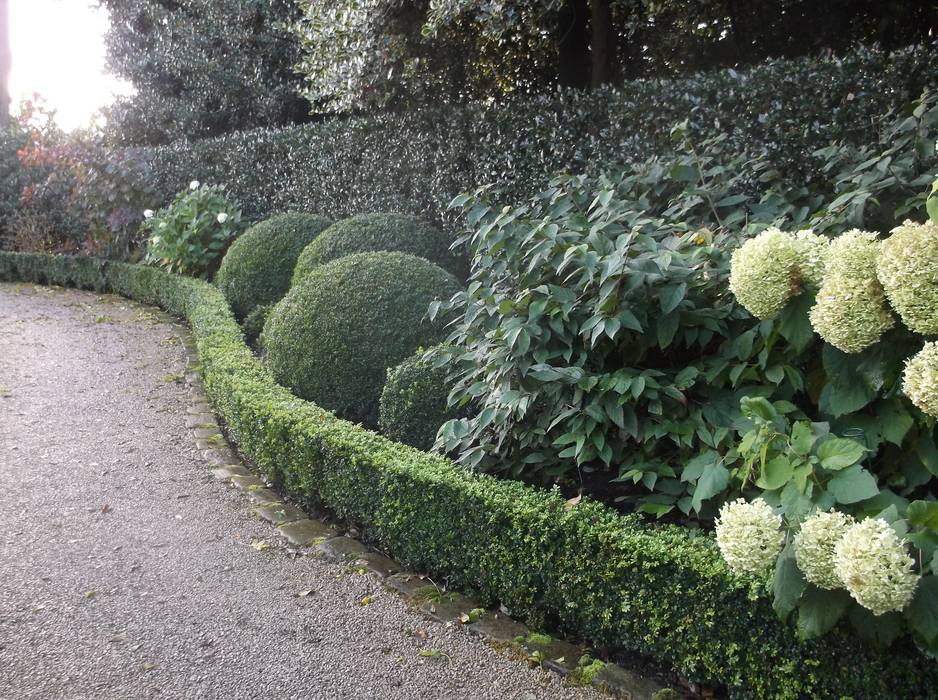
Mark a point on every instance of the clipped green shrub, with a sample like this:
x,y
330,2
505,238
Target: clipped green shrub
x,y
258,266
333,336
253,323
659,590
413,402
365,233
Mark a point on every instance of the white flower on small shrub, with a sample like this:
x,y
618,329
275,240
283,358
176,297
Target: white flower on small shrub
x,y
222,217
814,547
194,185
749,535
875,566
147,213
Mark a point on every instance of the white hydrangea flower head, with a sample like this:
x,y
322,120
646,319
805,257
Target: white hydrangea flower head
x,y
194,185
222,217
850,313
812,253
853,254
908,270
764,273
749,535
875,566
147,213
814,547
920,381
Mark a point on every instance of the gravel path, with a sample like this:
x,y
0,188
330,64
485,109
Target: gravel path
x,y
126,571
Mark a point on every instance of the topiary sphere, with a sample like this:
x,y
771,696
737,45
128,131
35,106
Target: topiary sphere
x,y
373,232
413,403
258,266
332,338
908,269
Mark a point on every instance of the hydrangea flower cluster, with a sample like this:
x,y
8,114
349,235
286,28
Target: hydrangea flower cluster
x,y
851,312
920,381
749,535
814,547
764,273
908,270
812,252
875,566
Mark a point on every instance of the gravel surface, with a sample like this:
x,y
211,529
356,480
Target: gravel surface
x,y
127,571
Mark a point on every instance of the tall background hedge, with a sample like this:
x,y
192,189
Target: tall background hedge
x,y
416,162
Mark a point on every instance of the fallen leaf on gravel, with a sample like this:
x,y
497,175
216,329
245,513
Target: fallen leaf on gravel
x,y
366,600
90,594
149,666
106,508
260,545
304,594
421,634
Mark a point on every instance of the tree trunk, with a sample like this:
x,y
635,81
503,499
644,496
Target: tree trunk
x,y
4,63
603,44
573,50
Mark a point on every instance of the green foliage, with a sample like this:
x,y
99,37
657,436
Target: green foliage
x,y
258,266
334,335
671,596
413,402
253,323
416,162
202,67
362,55
365,233
597,331
191,234
12,177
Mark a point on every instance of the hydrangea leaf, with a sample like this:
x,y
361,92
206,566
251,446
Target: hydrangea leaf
x,y
820,610
788,583
852,485
839,453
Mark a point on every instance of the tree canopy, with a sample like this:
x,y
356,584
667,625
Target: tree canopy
x,y
366,53
203,67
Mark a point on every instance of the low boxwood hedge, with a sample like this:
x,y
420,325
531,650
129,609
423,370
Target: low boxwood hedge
x,y
619,582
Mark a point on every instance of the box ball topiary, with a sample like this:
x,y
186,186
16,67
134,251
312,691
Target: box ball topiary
x,y
413,402
258,266
382,231
332,338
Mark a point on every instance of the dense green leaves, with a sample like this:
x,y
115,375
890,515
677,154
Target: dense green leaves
x,y
673,598
332,338
190,236
202,67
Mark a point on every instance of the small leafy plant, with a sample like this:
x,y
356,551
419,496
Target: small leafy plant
x,y
190,235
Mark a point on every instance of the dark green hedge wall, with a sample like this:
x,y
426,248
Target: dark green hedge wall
x,y
617,581
416,162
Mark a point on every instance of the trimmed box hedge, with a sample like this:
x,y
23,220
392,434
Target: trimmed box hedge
x,y
659,590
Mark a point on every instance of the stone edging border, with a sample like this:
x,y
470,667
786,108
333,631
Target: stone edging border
x,y
324,540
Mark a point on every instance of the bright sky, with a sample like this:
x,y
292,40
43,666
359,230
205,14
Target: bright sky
x,y
58,51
